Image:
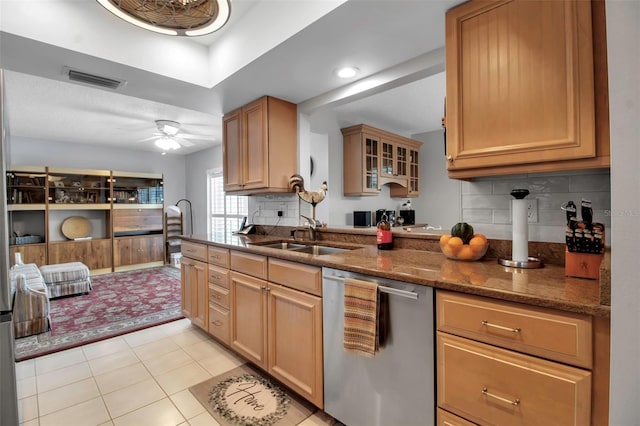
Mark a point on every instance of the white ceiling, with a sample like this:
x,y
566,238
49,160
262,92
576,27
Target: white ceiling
x,y
373,35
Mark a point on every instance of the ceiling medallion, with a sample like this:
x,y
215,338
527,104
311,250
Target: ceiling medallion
x,y
172,17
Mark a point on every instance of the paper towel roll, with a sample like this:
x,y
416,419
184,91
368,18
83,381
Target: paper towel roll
x,y
520,229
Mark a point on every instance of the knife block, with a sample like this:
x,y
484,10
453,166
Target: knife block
x,y
582,265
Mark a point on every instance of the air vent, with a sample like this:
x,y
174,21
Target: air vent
x,y
92,79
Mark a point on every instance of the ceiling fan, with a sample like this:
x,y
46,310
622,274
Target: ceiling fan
x,y
169,138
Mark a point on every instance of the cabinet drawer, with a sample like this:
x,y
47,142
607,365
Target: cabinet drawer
x,y
219,276
296,275
218,256
249,264
219,295
560,336
489,385
219,322
194,251
445,418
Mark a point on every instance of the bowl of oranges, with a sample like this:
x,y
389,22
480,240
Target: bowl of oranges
x,y
463,243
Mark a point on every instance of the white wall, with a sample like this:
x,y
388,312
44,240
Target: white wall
x,y
197,165
623,44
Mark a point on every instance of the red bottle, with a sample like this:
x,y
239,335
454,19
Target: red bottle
x,y
384,236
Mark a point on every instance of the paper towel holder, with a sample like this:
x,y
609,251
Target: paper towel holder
x,y
531,262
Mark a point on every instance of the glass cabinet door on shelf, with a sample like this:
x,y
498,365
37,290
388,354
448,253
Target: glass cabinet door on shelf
x,y
414,174
137,190
78,188
371,163
25,188
401,160
387,166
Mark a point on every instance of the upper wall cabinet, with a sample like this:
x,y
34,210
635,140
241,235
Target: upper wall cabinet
x,y
521,85
374,157
260,147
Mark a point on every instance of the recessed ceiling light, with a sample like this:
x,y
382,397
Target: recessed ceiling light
x,y
347,72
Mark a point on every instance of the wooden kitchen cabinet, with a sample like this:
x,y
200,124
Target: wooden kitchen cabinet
x,y
249,317
554,363
276,327
194,290
260,147
295,341
521,78
374,157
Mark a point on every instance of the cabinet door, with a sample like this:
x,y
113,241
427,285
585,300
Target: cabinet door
x,y
520,83
31,253
96,254
387,159
232,151
194,291
186,288
295,341
255,139
249,317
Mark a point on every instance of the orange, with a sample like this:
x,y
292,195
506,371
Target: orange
x,y
455,244
448,251
444,239
477,244
465,253
480,236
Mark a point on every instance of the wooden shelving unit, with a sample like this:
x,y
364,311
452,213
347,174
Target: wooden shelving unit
x,y
123,213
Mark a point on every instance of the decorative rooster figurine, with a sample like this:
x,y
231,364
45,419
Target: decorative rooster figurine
x,y
312,197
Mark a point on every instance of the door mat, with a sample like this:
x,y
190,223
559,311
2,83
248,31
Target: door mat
x,y
245,397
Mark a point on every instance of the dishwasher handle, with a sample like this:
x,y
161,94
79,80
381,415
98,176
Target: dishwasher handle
x,y
381,288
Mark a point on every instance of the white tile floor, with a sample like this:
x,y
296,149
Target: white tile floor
x,y
137,379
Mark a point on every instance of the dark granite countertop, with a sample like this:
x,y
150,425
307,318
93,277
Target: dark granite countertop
x,y
545,287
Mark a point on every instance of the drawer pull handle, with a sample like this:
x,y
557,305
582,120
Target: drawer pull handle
x,y
515,402
217,323
501,327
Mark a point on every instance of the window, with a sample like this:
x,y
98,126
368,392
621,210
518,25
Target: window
x,y
225,211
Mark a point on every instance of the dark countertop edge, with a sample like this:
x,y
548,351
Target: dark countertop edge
x,y
325,261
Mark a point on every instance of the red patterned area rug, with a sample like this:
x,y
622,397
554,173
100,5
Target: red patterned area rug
x,y
119,303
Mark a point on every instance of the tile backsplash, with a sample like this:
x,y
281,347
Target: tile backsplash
x,y
263,210
486,202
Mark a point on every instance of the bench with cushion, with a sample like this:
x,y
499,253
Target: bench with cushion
x,y
31,300
66,279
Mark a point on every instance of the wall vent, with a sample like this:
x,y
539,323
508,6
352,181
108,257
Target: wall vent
x,y
92,79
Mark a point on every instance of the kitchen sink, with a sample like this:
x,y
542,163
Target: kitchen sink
x,y
284,245
315,249
320,250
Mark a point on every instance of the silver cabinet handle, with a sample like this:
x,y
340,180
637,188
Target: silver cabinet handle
x,y
514,402
500,327
383,289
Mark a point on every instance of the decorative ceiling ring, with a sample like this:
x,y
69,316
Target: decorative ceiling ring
x,y
172,17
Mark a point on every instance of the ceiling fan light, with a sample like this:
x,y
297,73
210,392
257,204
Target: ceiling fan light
x,y
172,17
168,127
167,143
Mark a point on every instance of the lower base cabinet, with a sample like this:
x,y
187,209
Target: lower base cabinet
x,y
277,327
501,362
129,251
194,290
96,254
30,253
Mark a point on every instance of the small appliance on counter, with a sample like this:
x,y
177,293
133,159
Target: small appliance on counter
x,y
362,219
408,217
391,214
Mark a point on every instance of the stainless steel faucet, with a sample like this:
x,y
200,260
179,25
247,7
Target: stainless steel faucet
x,y
312,226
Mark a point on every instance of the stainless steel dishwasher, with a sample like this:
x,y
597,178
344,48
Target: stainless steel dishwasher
x,y
396,386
